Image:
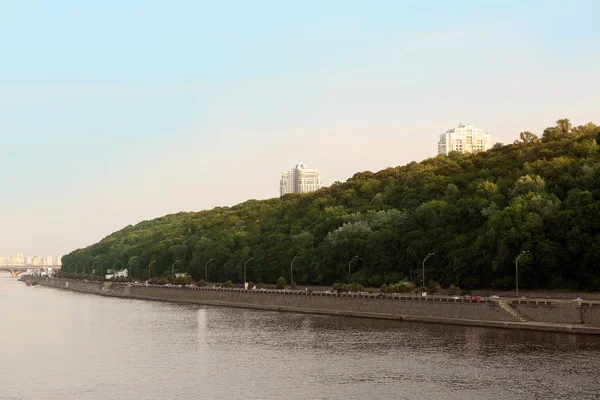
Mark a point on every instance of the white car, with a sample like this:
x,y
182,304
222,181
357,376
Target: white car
x,y
494,297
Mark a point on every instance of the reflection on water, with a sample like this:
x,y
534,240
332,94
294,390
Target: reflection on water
x,y
63,345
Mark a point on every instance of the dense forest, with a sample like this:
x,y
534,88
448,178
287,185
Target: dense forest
x,y
476,212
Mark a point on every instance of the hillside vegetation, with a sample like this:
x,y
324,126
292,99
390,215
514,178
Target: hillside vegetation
x,y
475,212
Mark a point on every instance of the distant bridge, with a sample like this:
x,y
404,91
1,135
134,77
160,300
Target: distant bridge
x,y
16,270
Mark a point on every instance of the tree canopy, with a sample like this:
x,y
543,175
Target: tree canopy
x,y
476,212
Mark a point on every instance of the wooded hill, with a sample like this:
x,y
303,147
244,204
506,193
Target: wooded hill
x,y
475,212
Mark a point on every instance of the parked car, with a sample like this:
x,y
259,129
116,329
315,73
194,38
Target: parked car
x,y
577,299
477,298
455,298
494,296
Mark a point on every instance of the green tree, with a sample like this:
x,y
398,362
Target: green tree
x,y
528,137
433,287
281,283
453,290
475,211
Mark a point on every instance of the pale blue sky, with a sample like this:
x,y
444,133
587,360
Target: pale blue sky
x,y
120,111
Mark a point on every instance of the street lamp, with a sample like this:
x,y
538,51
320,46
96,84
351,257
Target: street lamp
x,y
101,264
247,261
92,268
149,265
356,258
172,270
206,269
425,259
517,269
291,269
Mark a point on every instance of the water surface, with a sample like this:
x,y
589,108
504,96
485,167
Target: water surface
x,y
56,344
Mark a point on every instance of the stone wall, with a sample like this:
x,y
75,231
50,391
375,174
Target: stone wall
x,y
590,314
433,310
555,313
329,304
337,304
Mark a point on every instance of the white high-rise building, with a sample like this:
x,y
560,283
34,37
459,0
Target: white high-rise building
x,y
300,180
464,138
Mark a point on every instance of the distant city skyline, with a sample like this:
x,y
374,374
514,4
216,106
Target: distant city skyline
x,y
22,260
189,105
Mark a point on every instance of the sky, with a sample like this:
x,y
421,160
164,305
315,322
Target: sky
x,y
115,112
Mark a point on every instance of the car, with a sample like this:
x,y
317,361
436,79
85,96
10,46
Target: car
x,y
455,298
577,299
494,296
477,298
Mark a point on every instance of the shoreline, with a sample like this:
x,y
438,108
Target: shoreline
x,y
486,314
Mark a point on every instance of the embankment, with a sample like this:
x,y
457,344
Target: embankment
x,y
436,310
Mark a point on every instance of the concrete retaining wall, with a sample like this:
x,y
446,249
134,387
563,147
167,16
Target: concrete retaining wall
x,y
585,317
590,314
384,307
556,313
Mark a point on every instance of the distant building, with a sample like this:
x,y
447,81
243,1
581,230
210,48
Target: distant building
x,y
116,274
122,273
465,139
300,179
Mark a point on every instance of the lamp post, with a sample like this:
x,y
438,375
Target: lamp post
x,y
92,268
292,270
206,269
355,258
247,261
425,259
101,264
149,265
172,270
517,270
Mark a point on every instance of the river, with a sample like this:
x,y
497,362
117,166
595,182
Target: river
x,y
61,345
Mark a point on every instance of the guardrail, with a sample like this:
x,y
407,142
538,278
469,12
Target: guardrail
x,y
372,296
363,295
554,303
